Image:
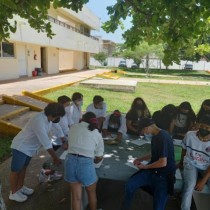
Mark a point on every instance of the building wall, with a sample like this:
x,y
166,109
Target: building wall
x,y
52,60
9,68
66,59
78,60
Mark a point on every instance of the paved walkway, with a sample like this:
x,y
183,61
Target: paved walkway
x,y
15,87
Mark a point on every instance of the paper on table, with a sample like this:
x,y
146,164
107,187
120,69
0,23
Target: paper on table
x,y
140,142
130,163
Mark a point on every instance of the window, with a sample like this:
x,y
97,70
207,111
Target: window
x,y
7,50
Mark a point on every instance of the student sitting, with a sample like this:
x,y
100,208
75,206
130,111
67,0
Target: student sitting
x,y
185,120
138,111
98,107
114,123
196,161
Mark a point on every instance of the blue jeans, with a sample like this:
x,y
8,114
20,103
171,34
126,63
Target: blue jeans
x,y
158,184
190,178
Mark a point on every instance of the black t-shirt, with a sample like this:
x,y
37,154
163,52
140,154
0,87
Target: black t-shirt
x,y
162,146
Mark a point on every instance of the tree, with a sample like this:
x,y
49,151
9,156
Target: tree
x,y
35,11
101,57
175,23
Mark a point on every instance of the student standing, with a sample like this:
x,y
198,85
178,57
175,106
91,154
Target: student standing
x,y
86,148
27,143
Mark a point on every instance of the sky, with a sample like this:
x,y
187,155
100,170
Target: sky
x,y
98,7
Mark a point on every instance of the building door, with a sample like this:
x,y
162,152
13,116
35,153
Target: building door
x,y
21,57
44,59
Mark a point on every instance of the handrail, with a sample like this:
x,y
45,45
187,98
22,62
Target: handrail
x,y
56,21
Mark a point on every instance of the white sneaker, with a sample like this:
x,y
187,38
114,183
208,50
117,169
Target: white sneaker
x,y
18,196
26,191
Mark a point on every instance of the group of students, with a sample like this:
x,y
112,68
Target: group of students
x,y
62,124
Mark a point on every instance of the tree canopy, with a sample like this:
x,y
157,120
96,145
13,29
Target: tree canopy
x,y
177,24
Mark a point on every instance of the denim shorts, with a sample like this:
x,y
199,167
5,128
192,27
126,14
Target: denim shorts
x,y
19,160
79,169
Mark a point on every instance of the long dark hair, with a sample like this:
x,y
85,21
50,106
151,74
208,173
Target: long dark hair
x,y
191,114
90,118
202,111
144,108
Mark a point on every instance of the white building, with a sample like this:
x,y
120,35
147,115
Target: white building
x,y
69,49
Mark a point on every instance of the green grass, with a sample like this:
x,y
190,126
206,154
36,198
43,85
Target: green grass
x,y
5,150
155,95
170,74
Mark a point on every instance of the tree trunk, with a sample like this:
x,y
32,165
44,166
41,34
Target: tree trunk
x,y
147,65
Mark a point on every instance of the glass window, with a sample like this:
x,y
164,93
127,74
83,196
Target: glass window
x,y
7,50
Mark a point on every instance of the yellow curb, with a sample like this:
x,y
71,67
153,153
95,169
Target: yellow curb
x,y
13,101
9,128
15,113
49,90
35,96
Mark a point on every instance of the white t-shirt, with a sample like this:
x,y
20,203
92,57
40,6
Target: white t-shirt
x,y
85,142
122,129
198,152
97,112
56,133
74,114
34,135
64,124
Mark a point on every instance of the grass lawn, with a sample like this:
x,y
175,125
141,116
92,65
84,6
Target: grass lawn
x,y
5,150
155,95
169,74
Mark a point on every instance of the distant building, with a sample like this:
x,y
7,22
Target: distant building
x,y
109,47
69,49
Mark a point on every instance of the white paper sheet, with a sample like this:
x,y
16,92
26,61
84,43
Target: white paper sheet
x,y
140,142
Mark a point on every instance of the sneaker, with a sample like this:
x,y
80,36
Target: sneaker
x,y
18,196
43,177
54,177
26,191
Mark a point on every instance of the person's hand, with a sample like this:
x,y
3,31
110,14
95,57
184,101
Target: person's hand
x,y
56,161
136,162
199,185
140,166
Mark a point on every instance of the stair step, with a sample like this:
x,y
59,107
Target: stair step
x,y
21,119
32,101
9,111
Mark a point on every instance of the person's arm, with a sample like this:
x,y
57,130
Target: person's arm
x,y
138,160
119,137
160,163
200,183
130,127
55,158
